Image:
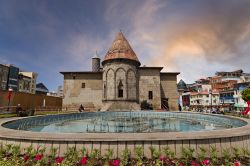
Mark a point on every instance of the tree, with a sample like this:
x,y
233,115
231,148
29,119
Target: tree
x,y
246,94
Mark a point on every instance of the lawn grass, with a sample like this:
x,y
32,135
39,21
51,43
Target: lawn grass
x,y
11,115
7,115
50,112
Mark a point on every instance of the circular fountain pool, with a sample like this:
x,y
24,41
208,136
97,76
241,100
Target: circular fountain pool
x,y
120,130
125,122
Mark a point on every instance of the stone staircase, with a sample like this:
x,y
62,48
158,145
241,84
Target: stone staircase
x,y
121,106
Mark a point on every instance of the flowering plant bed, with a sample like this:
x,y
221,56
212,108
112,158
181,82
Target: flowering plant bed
x,y
10,155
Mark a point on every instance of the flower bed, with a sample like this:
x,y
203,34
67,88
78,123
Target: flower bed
x,y
10,155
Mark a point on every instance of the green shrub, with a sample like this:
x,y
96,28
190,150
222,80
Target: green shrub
x,y
145,105
168,153
139,155
125,157
236,153
227,156
246,94
31,112
214,155
187,154
108,156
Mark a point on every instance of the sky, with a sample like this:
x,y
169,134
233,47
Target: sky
x,y
194,37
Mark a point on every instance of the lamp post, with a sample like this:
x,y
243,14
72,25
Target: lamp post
x,y
211,93
10,90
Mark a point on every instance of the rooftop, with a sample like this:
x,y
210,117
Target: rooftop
x,y
121,49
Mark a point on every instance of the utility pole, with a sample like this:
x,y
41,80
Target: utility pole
x,y
10,90
211,93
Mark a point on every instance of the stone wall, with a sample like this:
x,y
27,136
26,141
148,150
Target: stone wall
x,y
221,144
28,100
169,89
149,80
221,139
83,88
120,73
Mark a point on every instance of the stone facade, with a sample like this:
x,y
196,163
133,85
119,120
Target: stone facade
x,y
169,90
149,80
121,84
83,88
120,76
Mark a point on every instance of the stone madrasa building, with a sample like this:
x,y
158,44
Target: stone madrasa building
x,y
120,84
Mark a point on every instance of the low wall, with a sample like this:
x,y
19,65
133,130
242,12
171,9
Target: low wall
x,y
28,100
119,146
222,139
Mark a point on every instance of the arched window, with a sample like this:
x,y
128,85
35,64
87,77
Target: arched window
x,y
120,89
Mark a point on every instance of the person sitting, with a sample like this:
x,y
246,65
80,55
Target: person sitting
x,y
19,111
81,108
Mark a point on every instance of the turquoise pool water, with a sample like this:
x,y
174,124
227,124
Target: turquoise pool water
x,y
125,122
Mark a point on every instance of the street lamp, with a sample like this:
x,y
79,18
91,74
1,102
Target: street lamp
x,y
10,90
211,93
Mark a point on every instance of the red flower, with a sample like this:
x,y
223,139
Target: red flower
x,y
181,164
193,163
116,162
83,161
26,158
38,157
236,163
206,162
59,160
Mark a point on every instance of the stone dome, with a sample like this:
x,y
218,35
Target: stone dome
x,y
121,49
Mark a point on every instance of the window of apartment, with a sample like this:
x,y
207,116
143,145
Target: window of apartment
x,y
150,95
83,85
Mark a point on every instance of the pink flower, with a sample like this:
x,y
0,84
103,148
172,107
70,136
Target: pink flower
x,y
26,158
193,163
83,161
181,164
162,158
236,163
59,160
206,162
38,157
116,162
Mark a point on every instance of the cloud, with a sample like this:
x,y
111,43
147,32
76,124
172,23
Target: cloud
x,y
196,38
83,47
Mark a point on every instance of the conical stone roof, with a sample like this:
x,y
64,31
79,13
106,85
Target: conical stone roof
x,y
121,49
182,85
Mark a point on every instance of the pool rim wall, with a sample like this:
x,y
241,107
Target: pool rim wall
x,y
232,137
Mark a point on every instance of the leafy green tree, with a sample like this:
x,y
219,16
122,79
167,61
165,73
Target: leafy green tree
x,y
246,94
